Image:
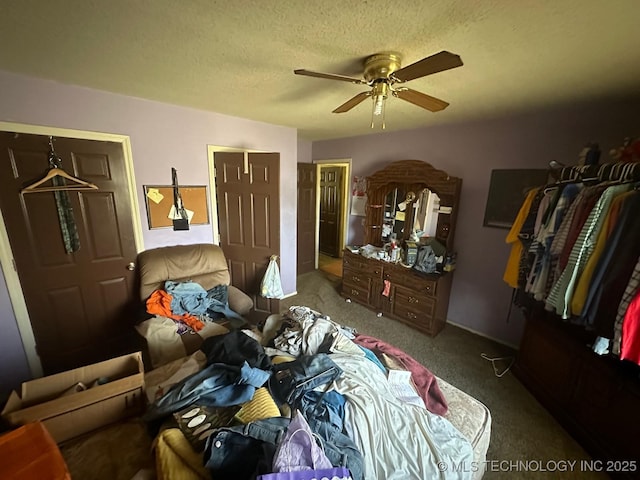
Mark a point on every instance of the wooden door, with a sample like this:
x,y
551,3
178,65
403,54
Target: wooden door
x,y
330,210
306,218
80,304
249,219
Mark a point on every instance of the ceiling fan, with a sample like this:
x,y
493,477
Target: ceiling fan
x,y
383,72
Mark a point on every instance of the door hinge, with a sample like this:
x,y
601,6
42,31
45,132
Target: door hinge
x,y
13,262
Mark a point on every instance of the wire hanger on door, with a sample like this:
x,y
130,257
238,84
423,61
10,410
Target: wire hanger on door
x,y
56,172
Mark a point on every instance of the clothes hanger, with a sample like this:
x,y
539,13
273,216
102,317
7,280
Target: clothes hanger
x,y
56,171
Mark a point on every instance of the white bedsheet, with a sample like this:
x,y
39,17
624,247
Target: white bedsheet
x,y
398,441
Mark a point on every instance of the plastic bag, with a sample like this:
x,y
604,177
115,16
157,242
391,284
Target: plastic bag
x,y
335,473
298,450
426,260
271,287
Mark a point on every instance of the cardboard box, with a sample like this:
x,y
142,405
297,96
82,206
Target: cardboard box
x,y
29,452
67,413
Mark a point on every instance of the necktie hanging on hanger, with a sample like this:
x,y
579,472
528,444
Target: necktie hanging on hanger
x,y
60,189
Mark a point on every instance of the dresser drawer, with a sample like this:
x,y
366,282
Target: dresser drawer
x,y
355,292
409,303
357,278
355,262
418,284
428,287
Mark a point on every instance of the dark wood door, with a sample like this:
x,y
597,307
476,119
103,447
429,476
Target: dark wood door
x,y
249,219
306,218
79,303
330,210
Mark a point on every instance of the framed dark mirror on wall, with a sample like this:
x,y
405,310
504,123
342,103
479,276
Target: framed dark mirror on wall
x,y
506,194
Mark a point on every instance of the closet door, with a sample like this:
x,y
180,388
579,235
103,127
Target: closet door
x,y
249,218
306,260
80,304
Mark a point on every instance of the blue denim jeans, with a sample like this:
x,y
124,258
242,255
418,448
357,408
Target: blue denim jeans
x,y
218,385
246,451
291,380
324,412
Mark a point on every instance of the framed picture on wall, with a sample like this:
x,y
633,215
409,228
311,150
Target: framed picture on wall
x,y
507,191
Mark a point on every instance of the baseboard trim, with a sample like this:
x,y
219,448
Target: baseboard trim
x,y
475,332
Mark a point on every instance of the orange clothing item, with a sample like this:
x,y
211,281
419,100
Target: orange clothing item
x,y
511,271
159,303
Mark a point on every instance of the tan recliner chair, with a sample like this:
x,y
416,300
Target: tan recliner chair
x,y
202,263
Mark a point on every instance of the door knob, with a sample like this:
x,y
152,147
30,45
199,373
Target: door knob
x,y
131,266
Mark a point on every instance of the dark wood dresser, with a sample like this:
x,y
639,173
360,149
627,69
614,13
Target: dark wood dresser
x,y
404,197
419,300
595,398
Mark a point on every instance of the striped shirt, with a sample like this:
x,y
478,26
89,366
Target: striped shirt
x,y
562,292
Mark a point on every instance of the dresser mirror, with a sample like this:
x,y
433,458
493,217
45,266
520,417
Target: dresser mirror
x,y
406,211
410,195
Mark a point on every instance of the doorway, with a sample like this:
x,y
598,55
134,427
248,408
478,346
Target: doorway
x,y
93,333
333,195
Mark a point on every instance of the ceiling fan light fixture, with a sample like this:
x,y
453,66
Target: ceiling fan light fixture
x,y
379,95
382,71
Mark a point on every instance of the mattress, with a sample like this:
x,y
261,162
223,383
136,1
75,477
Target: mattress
x,y
472,418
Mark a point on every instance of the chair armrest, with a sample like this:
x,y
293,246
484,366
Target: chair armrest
x,y
239,302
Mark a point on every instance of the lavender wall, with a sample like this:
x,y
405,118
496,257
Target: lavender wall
x,y
304,151
14,368
162,136
480,299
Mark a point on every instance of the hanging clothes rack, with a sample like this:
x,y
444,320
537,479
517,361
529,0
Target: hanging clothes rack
x,y
54,173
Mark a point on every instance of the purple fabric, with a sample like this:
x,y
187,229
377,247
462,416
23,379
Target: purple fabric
x,y
424,380
336,472
298,449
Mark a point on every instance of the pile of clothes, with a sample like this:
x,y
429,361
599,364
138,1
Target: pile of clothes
x,y
304,362
190,305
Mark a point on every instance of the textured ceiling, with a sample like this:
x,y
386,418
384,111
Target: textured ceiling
x,y
237,56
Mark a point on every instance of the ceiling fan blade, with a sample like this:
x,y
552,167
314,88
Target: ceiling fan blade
x,y
329,76
427,66
420,99
352,102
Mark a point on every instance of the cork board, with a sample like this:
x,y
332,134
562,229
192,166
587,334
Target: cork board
x,y
159,199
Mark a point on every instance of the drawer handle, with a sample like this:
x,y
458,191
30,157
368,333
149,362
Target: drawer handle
x,y
376,272
355,292
411,315
355,279
413,300
428,288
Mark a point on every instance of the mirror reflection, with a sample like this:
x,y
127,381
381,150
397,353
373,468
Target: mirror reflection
x,y
409,214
